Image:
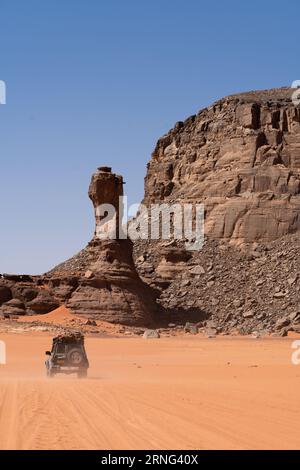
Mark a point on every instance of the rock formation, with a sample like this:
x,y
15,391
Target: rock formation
x,y
106,189
21,295
241,158
102,280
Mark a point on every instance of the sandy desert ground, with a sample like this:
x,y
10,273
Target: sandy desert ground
x,y
172,393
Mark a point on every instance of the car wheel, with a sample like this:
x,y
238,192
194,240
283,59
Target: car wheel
x,y
75,357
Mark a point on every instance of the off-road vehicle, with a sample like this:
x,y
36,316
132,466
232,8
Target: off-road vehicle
x,y
67,356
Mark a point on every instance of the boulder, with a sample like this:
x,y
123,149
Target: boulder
x,y
281,323
248,314
151,334
191,328
13,307
210,332
5,294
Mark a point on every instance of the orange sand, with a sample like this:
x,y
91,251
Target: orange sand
x,y
172,393
60,316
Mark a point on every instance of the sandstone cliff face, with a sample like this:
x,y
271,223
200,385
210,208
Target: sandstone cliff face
x,y
241,158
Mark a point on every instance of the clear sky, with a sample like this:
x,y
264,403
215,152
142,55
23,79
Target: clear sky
x,y
92,82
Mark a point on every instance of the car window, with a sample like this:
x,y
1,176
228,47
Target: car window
x,y
60,348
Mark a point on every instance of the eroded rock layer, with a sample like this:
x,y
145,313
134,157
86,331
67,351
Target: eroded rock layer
x,y
241,158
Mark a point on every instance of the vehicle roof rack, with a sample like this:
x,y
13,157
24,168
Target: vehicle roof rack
x,y
69,337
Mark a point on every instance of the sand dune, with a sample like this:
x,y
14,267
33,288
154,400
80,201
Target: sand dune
x,y
62,316
59,315
170,393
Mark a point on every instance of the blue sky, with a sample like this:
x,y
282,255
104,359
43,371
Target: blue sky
x,y
93,82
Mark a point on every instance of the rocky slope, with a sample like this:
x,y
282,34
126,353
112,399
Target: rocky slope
x,y
236,290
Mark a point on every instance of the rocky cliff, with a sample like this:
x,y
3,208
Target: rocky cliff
x,y
241,158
